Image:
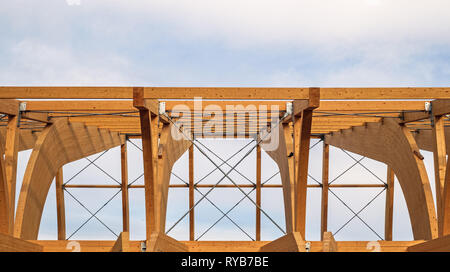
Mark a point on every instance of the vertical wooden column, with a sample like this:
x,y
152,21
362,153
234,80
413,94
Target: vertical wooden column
x,y
60,205
125,201
302,116
148,114
191,194
325,187
440,164
258,192
11,151
389,216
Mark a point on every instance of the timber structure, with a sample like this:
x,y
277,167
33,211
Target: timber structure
x,y
64,124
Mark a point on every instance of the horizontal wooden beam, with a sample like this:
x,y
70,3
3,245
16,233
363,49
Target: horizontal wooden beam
x,y
437,245
10,244
222,93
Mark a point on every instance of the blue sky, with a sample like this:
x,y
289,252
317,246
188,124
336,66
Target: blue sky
x,y
226,43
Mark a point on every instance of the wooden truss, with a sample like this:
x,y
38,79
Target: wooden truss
x,y
65,124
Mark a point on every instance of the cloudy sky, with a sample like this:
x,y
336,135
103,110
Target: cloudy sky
x,y
225,43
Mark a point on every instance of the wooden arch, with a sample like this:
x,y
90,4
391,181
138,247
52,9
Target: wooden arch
x,y
58,144
393,144
4,195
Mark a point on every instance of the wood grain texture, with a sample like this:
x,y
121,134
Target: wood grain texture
x,y
441,244
329,244
291,242
5,220
9,243
280,156
160,242
58,144
122,243
394,145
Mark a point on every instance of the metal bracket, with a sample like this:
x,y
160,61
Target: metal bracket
x,y
289,108
308,246
143,247
162,107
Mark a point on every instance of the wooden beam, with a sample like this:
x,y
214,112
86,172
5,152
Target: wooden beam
x,y
279,155
6,224
389,211
122,243
124,187
291,242
160,242
258,193
393,144
222,93
58,144
441,244
9,106
11,153
440,107
60,205
440,164
191,195
303,125
36,116
325,187
329,244
10,244
446,202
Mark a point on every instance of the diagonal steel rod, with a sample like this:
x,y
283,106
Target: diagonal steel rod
x,y
212,203
93,215
225,174
106,173
226,162
357,214
368,170
346,170
84,168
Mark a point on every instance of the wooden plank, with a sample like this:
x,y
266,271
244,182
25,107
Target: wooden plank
x,y
60,143
148,139
160,242
389,211
124,187
191,195
304,124
440,164
8,92
291,242
9,106
440,107
60,205
258,193
5,219
11,152
393,144
441,244
329,244
325,187
10,244
122,243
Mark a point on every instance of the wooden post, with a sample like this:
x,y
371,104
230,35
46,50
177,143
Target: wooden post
x,y
148,115
304,125
11,150
389,205
60,205
440,164
191,194
124,186
325,179
258,193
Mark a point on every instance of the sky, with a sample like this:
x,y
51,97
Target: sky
x,y
225,43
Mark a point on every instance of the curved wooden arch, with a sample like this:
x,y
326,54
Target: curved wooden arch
x,y
388,142
172,150
280,156
58,144
446,204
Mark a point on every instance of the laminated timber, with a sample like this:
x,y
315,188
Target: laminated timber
x,y
389,142
141,119
58,144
